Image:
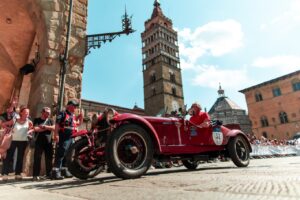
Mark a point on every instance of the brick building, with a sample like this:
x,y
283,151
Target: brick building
x,y
274,106
161,65
230,113
92,107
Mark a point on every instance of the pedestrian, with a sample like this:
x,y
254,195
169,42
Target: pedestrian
x,y
43,127
10,112
21,127
66,124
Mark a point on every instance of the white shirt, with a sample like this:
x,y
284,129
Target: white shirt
x,y
19,132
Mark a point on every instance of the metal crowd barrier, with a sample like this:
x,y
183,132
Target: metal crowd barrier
x,y
266,151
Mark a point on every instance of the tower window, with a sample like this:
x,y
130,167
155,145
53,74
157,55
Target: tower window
x,y
283,118
258,97
174,91
153,78
153,91
172,77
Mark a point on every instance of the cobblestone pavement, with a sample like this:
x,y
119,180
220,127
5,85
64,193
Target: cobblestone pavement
x,y
273,178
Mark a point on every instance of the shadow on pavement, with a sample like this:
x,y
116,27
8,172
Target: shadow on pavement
x,y
75,183
170,170
61,184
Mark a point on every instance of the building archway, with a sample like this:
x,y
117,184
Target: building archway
x,y
21,25
31,26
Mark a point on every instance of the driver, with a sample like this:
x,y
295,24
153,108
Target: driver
x,y
199,118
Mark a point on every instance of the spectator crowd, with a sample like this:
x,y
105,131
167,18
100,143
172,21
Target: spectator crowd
x,y
19,131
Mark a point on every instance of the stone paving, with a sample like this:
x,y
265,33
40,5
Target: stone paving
x,y
273,178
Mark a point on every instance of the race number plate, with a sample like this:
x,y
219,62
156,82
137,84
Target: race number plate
x,y
217,136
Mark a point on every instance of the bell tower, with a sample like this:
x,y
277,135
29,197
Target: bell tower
x,y
161,65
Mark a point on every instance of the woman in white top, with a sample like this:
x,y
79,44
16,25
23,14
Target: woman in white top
x,y
20,130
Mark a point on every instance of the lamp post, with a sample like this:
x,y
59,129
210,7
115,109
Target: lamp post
x,y
64,60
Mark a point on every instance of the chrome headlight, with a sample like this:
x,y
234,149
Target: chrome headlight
x,y
110,115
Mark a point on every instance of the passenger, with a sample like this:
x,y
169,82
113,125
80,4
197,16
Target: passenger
x,y
199,118
43,126
20,129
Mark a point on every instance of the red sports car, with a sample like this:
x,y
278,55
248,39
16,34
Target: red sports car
x,y
137,140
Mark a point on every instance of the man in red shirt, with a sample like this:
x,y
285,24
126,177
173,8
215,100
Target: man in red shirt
x,y
199,118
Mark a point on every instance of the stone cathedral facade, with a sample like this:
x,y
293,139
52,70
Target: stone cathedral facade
x,y
163,91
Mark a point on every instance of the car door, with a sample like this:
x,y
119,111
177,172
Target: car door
x,y
199,136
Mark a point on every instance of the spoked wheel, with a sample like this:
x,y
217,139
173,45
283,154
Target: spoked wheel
x,y
239,151
82,161
190,164
129,151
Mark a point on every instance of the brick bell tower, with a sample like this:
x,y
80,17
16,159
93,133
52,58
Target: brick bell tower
x,y
161,65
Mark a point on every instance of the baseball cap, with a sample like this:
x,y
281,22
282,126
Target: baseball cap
x,y
72,102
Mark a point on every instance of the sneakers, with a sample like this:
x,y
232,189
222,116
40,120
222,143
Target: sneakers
x,y
4,178
56,175
18,177
36,178
66,173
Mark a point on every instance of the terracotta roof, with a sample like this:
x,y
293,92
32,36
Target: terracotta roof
x,y
270,81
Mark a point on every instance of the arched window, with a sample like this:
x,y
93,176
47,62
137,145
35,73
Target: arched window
x,y
283,117
265,134
264,121
258,97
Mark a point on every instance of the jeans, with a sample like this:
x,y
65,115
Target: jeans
x,y
21,146
65,140
42,145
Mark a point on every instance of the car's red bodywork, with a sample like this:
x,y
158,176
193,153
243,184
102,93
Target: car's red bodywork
x,y
175,135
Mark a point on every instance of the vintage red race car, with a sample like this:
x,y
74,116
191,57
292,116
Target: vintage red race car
x,y
138,140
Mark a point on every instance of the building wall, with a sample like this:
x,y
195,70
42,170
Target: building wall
x,y
270,107
42,26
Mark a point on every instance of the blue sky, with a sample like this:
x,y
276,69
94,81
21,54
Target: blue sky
x,y
238,43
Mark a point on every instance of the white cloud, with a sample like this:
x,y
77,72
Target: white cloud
x,y
286,63
289,19
231,79
290,16
215,38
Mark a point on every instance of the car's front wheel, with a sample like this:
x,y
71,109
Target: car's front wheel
x,y
129,151
239,151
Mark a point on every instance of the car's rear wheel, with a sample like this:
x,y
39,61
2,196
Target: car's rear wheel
x,y
239,151
129,151
190,164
